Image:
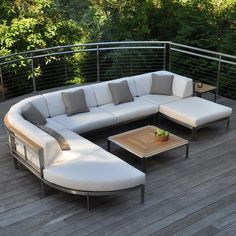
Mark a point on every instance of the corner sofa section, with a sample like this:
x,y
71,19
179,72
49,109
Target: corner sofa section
x,y
86,169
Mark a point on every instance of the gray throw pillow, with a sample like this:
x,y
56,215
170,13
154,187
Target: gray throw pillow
x,y
64,145
120,92
162,84
33,115
75,102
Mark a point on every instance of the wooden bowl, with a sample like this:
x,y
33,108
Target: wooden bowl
x,y
162,138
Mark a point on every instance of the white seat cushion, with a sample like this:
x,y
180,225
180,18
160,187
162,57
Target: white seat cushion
x,y
84,122
54,125
79,146
158,99
131,110
195,111
77,142
97,171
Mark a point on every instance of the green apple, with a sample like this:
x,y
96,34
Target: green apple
x,y
162,132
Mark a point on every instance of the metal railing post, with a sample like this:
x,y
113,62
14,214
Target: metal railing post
x,y
2,85
33,72
65,65
218,76
169,57
164,59
98,64
131,62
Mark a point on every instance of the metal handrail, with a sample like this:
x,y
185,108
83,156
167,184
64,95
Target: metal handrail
x,y
204,50
83,45
167,48
204,56
119,42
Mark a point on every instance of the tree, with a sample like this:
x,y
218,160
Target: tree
x,y
28,25
117,20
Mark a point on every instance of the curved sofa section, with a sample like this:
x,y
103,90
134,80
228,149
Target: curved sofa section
x,y
86,167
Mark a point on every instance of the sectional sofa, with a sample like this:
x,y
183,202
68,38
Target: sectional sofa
x,y
86,168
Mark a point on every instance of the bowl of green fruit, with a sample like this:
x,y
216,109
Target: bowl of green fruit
x,y
161,135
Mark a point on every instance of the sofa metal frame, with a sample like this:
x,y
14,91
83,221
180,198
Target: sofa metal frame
x,y
15,134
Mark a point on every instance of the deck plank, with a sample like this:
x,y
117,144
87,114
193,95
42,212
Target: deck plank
x,y
183,197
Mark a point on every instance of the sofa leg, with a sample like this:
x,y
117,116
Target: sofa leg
x,y
43,192
194,133
228,122
15,163
88,202
158,115
142,194
187,150
156,119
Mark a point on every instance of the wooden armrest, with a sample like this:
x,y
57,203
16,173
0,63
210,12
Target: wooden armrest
x,y
29,142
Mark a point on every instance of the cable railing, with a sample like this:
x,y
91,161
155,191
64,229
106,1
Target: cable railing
x,y
43,69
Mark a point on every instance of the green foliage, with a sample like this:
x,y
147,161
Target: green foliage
x,y
34,24
27,25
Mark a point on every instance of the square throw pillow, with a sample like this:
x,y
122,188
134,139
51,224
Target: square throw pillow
x,y
162,84
120,92
75,102
33,115
64,145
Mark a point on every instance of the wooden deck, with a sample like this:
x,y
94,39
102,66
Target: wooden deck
x,y
196,196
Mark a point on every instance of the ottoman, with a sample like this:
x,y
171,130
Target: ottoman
x,y
195,112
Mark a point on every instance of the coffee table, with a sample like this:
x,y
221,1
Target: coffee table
x,y
143,143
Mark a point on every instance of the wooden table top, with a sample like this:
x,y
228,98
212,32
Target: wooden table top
x,y
143,143
205,88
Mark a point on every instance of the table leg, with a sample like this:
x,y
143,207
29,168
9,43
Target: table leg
x,y
143,163
187,150
215,96
108,145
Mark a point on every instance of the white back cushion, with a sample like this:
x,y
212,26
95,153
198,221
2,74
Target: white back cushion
x,y
182,86
18,107
89,96
56,105
38,101
131,84
143,83
102,93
